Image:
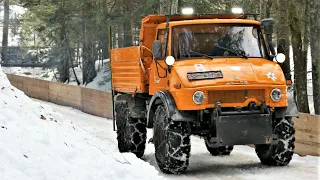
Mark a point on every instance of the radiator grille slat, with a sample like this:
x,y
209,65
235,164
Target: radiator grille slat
x,y
235,96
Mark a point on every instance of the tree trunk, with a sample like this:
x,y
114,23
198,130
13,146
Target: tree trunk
x,y
228,6
283,33
300,64
268,8
165,6
70,55
88,70
127,28
175,7
64,75
5,32
315,52
105,49
262,9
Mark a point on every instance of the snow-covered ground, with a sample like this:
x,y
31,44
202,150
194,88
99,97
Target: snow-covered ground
x,y
243,163
101,82
38,142
39,73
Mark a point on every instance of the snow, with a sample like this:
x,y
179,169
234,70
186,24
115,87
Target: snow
x,y
243,162
102,81
37,142
39,73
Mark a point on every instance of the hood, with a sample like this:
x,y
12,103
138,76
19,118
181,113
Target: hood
x,y
236,71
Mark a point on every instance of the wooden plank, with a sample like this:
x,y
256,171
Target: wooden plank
x,y
307,149
96,102
66,95
65,99
307,135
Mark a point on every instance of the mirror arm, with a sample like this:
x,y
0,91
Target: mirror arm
x,y
167,36
269,39
169,69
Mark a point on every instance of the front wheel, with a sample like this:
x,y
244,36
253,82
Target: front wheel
x,y
171,142
279,154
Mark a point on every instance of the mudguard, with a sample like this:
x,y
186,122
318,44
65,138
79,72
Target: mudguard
x,y
165,98
290,111
137,106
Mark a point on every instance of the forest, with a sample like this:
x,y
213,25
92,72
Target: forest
x,y
77,32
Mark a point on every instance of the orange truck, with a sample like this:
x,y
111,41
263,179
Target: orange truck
x,y
212,75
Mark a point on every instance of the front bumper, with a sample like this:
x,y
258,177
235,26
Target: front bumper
x,y
242,130
232,128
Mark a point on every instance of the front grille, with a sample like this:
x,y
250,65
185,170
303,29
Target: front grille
x,y
235,96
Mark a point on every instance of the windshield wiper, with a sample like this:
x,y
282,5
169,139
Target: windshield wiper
x,y
238,53
197,53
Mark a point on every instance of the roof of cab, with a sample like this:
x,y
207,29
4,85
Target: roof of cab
x,y
176,20
158,19
210,21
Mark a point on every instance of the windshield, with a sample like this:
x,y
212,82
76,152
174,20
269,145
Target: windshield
x,y
216,40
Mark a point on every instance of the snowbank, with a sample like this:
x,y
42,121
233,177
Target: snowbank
x,y
38,143
39,73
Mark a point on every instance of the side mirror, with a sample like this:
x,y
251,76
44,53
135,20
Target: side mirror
x,y
281,46
268,25
157,49
268,30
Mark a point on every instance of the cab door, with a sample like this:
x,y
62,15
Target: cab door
x,y
158,69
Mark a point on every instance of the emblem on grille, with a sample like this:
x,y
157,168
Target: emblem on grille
x,y
236,78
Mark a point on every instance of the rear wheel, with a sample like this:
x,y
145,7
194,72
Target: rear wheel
x,y
131,132
279,154
171,142
218,151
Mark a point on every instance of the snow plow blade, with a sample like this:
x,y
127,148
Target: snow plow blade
x,y
244,129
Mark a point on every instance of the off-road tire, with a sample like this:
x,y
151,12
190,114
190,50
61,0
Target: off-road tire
x,y
131,132
171,142
220,151
279,154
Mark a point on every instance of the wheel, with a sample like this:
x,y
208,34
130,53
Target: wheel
x,y
218,151
131,132
171,142
279,154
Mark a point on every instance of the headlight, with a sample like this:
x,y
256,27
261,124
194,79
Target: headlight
x,y
170,60
199,97
276,95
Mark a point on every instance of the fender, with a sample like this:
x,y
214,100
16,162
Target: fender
x,y
136,105
165,98
290,111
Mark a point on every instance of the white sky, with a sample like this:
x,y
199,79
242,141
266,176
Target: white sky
x,y
15,11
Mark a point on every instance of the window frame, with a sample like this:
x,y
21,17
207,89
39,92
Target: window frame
x,y
260,39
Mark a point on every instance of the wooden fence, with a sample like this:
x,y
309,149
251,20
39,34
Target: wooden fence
x,y
98,103
91,101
